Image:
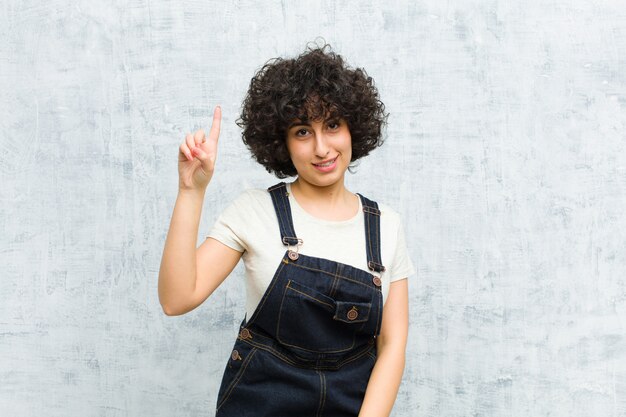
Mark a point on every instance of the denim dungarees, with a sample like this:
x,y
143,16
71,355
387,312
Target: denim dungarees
x,y
309,347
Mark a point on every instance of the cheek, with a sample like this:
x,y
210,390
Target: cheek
x,y
348,145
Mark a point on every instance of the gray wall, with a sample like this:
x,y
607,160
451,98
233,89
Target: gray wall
x,y
505,154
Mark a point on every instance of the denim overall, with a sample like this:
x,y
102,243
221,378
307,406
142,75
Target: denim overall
x,y
309,348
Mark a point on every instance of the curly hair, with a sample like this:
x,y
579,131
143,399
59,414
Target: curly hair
x,y
316,85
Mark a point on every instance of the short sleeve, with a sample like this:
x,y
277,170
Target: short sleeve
x,y
401,266
229,228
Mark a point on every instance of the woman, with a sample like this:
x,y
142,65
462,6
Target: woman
x,y
321,262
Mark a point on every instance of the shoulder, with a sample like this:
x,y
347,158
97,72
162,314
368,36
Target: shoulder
x,y
252,196
394,246
246,205
251,199
249,214
388,212
389,217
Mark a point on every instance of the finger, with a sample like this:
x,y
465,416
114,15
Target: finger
x,y
214,133
207,162
198,137
184,149
190,142
198,153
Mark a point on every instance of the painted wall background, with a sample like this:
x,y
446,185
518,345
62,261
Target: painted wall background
x,y
506,155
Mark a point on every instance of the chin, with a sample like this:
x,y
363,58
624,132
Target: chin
x,y
323,181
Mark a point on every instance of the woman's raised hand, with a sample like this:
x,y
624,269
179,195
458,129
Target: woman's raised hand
x,y
196,156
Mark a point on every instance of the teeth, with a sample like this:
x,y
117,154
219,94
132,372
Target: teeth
x,y
327,164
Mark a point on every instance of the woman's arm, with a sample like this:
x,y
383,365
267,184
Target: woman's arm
x,y
384,382
189,275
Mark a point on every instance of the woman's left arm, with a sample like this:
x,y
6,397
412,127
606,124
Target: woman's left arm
x,y
384,382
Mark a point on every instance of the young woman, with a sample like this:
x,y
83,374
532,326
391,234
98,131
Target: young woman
x,y
327,301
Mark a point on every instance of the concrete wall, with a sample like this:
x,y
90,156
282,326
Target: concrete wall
x,y
506,154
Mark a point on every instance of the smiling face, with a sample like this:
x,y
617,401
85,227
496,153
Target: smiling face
x,y
320,150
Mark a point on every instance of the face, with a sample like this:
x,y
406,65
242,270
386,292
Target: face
x,y
320,150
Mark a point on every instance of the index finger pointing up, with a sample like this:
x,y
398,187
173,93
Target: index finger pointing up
x,y
214,133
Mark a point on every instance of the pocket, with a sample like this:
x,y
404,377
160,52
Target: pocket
x,y
236,367
314,322
352,312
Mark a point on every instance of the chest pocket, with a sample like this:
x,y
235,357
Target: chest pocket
x,y
314,322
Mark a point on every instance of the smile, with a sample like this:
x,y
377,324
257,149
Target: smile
x,y
326,166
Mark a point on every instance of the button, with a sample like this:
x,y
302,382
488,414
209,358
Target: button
x,y
245,334
377,281
353,313
293,255
235,355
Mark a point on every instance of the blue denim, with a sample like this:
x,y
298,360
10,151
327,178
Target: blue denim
x,y
309,347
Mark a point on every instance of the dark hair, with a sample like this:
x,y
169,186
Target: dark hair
x,y
316,85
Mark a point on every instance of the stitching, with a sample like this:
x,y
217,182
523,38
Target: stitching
x,y
274,187
308,296
336,275
364,315
377,231
287,212
378,316
352,358
320,404
376,264
284,217
279,213
277,210
278,321
324,403
286,359
273,351
280,313
333,288
371,210
267,293
320,351
237,378
369,238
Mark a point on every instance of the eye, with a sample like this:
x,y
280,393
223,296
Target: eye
x,y
301,132
334,125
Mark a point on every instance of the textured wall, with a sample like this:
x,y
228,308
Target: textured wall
x,y
506,153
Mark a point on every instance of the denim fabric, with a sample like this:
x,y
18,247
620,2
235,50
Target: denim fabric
x,y
309,348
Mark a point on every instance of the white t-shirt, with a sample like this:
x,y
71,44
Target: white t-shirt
x,y
249,225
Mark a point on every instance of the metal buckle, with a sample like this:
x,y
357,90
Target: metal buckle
x,y
293,254
375,266
285,242
371,210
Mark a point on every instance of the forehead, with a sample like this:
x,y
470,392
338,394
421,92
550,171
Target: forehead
x,y
308,121
317,110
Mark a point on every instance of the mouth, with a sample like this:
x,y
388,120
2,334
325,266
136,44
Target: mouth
x,y
326,164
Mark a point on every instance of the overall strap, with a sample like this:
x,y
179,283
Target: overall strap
x,y
280,199
371,215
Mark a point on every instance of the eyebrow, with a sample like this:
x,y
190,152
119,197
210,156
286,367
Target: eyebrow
x,y
298,123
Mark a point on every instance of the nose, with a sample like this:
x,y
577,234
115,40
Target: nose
x,y
322,147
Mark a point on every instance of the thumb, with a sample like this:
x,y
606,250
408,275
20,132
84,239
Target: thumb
x,y
204,158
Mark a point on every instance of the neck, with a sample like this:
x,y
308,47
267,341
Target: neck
x,y
333,202
328,195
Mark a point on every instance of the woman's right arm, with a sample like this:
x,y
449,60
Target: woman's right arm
x,y
188,276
